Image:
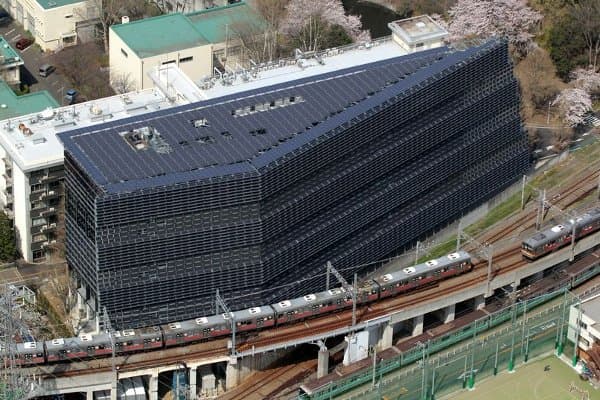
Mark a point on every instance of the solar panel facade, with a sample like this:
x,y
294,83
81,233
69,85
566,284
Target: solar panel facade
x,y
261,189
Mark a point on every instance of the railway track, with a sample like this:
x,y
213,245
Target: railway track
x,y
505,261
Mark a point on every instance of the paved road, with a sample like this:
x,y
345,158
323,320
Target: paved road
x,y
33,57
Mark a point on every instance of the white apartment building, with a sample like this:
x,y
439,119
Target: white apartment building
x,y
32,157
52,23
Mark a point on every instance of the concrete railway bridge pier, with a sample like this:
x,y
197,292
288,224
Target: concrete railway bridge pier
x,y
225,371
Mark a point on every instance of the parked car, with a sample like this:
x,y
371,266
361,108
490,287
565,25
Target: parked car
x,y
23,43
71,96
46,70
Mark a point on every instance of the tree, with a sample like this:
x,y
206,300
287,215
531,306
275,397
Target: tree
x,y
574,104
586,79
565,45
538,81
109,13
8,249
587,14
122,83
307,21
508,18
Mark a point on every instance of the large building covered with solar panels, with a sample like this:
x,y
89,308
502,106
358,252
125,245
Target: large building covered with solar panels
x,y
253,192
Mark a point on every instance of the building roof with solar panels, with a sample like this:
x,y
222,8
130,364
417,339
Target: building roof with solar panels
x,y
247,132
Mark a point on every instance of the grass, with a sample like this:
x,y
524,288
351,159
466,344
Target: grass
x,y
530,382
555,177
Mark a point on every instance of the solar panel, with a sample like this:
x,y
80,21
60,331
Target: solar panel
x,y
263,132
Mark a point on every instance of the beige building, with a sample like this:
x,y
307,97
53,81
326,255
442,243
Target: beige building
x,y
195,42
52,23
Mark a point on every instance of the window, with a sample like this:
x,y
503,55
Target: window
x,y
124,53
37,254
36,187
186,59
37,204
168,62
69,16
38,238
38,221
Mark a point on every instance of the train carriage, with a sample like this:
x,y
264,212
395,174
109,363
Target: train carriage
x,y
79,347
546,241
29,353
131,340
196,329
421,274
311,304
254,318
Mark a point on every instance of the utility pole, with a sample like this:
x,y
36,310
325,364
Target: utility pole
x,y
352,289
220,303
523,192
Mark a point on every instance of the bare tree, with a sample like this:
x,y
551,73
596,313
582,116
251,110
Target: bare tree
x,y
122,83
110,12
587,14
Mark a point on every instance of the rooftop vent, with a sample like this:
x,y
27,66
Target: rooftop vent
x,y
200,123
146,137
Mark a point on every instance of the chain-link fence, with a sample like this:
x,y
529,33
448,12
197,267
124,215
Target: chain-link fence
x,y
500,341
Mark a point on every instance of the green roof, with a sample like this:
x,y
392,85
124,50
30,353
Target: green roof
x,y
47,4
173,32
159,35
214,23
9,54
12,105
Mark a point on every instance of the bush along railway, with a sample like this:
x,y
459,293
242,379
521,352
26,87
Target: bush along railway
x,y
287,311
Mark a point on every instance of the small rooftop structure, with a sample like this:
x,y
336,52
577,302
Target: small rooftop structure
x,y
418,33
12,106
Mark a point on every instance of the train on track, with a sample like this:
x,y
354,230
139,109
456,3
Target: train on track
x,y
256,318
287,311
561,235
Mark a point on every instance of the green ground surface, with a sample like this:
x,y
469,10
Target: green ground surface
x,y
530,382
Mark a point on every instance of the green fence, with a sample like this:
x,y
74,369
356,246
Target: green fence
x,y
499,341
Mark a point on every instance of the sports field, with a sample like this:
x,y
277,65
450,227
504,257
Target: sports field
x,y
531,382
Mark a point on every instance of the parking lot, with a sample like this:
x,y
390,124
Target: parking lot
x,y
33,58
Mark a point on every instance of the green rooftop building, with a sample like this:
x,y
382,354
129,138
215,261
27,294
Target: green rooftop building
x,y
197,42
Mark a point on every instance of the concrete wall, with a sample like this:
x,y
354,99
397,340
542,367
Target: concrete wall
x,y
125,62
22,205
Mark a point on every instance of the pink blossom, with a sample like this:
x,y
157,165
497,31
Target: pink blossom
x,y
574,104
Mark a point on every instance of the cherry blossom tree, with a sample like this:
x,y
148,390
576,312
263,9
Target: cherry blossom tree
x,y
574,104
510,18
307,20
586,79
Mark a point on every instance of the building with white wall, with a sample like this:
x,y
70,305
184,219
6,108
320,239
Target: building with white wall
x,y
52,23
418,33
586,316
192,41
31,166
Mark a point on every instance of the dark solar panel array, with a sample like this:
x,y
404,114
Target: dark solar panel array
x,y
233,144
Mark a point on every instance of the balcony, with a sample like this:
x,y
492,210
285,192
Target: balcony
x,y
48,243
7,163
49,227
51,194
48,211
53,176
9,213
7,178
8,196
